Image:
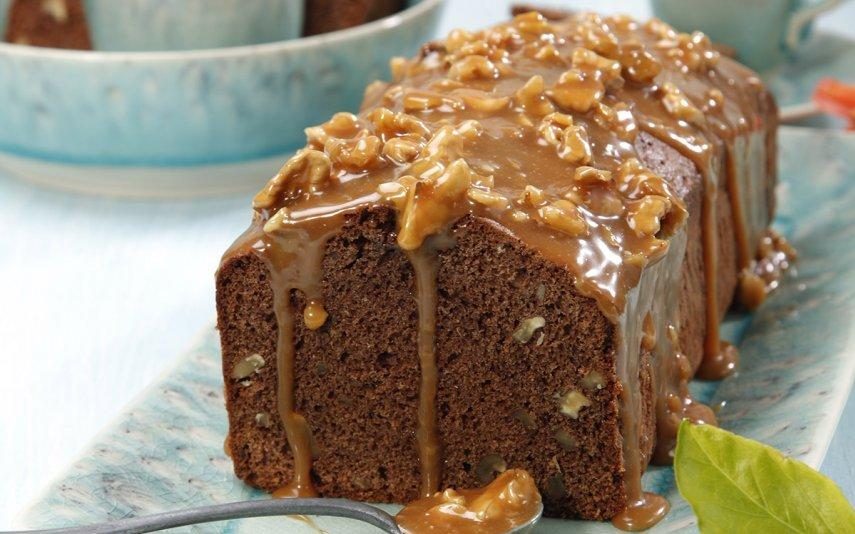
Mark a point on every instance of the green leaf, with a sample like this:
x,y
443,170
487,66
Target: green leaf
x,y
735,485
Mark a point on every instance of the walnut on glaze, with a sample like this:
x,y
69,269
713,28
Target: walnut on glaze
x,y
679,105
569,139
307,172
433,143
531,97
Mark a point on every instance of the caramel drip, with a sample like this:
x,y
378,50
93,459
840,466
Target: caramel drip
x,y
642,514
425,266
674,402
296,428
294,252
740,224
713,362
655,296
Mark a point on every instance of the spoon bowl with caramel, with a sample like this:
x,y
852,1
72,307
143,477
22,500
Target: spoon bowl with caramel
x,y
510,504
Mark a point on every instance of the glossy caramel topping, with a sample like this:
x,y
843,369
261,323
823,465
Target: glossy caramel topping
x,y
510,501
529,123
533,124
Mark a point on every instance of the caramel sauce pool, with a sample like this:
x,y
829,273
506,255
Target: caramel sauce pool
x,y
510,501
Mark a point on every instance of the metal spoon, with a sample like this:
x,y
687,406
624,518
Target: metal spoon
x,y
239,510
236,510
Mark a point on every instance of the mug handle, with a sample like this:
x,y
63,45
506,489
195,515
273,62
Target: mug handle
x,y
802,17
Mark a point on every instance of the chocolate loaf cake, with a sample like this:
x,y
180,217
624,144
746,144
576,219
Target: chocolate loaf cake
x,y
515,256
324,16
48,23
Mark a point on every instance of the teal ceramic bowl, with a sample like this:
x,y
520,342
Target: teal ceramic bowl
x,y
126,122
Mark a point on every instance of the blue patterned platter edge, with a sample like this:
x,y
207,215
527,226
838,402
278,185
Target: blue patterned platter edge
x,y
798,361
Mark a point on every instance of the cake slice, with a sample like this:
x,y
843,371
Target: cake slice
x,y
48,23
324,16
515,256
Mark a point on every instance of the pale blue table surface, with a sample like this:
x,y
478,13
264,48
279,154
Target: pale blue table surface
x,y
99,296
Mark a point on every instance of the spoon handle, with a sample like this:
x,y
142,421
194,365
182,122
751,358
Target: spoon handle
x,y
236,510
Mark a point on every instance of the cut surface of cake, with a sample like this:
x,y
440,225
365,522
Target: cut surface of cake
x,y
516,255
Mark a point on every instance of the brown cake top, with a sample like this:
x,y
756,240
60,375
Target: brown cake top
x,y
531,124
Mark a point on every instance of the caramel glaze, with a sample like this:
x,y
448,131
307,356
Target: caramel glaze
x,y
509,501
532,124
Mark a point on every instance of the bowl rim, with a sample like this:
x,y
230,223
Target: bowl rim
x,y
276,47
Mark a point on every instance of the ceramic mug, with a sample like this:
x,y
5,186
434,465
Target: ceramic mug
x,y
763,32
147,25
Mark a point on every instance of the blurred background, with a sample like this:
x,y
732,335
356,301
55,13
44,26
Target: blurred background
x,y
99,294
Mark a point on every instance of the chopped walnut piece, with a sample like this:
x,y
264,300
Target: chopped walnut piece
x,y
563,215
575,146
572,402
430,204
457,38
520,216
679,105
589,61
595,35
593,380
262,419
472,68
636,181
547,52
551,127
525,418
715,100
490,199
525,331
247,366
645,214
402,150
591,175
417,100
617,118
421,100
605,203
532,196
693,51
306,172
532,23
388,124
638,64
357,154
660,28
578,90
567,442
482,101
532,98
343,124
489,466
